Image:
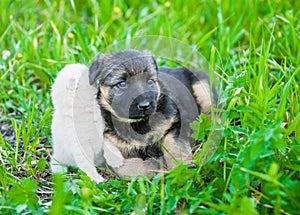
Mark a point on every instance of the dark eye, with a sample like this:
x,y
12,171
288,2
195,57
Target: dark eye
x,y
121,84
150,82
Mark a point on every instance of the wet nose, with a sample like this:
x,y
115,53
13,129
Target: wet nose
x,y
144,105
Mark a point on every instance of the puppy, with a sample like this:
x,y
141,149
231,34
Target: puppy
x,y
146,109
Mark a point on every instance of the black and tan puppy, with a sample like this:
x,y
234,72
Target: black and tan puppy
x,y
147,110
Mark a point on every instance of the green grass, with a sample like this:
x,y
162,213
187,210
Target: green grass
x,y
252,45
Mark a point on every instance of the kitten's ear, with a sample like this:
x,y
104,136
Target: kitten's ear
x,y
96,67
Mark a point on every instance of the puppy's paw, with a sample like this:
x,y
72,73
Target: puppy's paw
x,y
151,165
131,167
176,150
137,166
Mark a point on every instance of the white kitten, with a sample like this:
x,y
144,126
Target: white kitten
x,y
77,126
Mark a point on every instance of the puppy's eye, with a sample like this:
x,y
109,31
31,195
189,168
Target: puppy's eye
x,y
122,84
150,82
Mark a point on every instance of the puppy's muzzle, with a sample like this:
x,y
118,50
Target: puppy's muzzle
x,y
142,106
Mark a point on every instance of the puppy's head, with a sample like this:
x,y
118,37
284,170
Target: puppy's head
x,y
127,82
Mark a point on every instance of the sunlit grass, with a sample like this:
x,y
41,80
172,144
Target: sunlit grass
x,y
252,45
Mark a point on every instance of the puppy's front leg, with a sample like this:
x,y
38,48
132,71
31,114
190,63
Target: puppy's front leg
x,y
176,149
126,167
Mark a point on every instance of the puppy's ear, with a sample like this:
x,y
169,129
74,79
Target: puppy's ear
x,y
147,53
96,67
150,55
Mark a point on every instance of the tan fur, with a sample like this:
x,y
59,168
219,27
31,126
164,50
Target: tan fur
x,y
105,105
104,98
158,133
201,91
104,93
176,150
131,166
136,166
158,91
160,130
122,145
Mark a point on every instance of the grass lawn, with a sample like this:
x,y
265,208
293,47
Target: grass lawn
x,y
253,47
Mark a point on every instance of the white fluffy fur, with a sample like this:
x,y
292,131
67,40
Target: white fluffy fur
x,y
77,126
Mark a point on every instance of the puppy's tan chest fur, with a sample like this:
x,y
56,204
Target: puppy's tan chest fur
x,y
137,141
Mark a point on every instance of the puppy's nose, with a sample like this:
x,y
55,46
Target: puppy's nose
x,y
144,105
